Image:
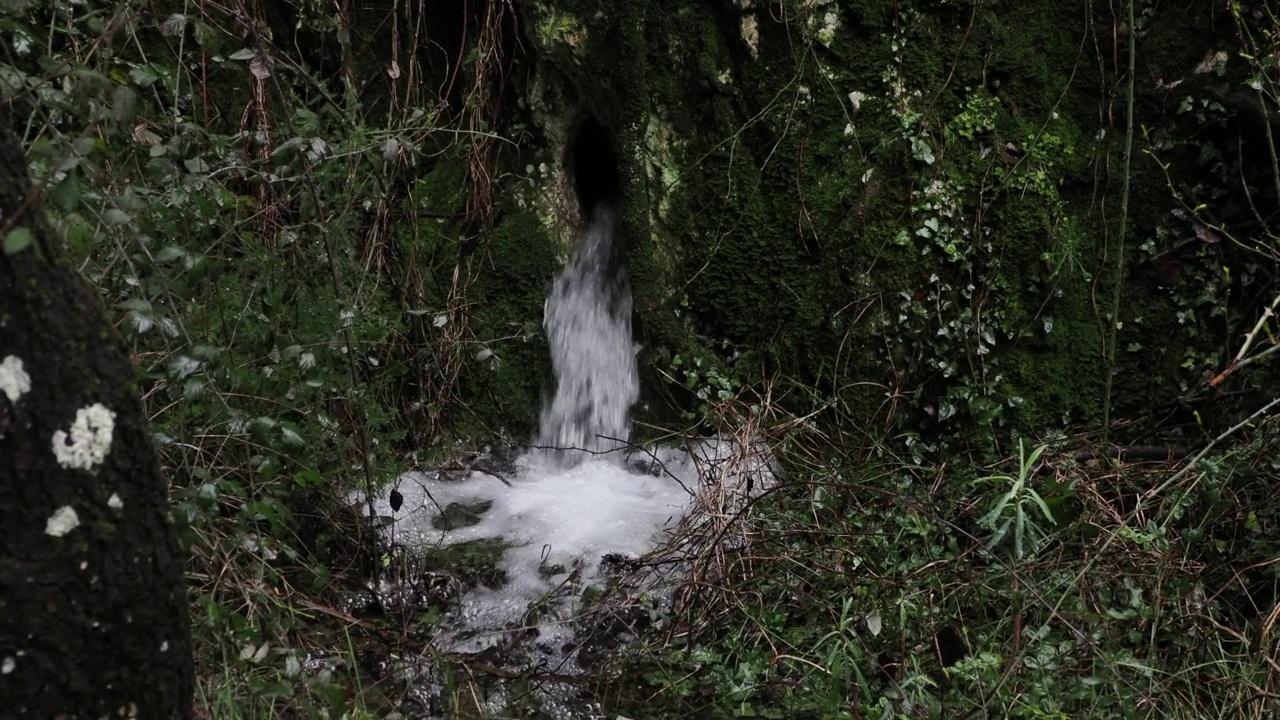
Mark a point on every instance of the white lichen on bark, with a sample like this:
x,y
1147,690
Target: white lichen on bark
x,y
62,521
751,34
89,441
14,381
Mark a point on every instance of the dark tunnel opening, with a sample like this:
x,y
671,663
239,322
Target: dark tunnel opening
x,y
593,163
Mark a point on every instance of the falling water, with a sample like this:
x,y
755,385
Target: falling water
x,y
587,319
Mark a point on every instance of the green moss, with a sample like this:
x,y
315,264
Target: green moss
x,y
553,27
442,191
516,265
473,562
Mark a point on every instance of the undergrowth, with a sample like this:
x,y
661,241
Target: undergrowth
x,y
1057,583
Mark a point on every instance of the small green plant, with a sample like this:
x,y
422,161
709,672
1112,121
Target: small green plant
x,y
842,658
707,381
1015,513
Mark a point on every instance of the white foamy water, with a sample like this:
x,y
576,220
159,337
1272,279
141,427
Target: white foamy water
x,y
556,524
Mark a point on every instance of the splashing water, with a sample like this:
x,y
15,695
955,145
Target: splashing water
x,y
587,319
572,499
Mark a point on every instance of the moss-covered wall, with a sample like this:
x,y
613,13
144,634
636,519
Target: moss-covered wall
x,y
876,197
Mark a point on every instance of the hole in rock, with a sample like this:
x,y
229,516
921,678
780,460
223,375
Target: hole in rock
x,y
593,164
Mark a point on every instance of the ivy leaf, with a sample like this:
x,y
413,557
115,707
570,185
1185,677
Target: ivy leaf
x,y
67,193
205,33
874,622
124,104
17,240
291,437
921,151
175,24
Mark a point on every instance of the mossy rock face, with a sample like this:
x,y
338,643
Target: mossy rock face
x,y
804,175
905,196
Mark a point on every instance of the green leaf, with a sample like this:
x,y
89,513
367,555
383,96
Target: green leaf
x,y
1044,507
17,240
144,75
205,34
175,24
169,253
124,104
272,689
115,217
1029,463
67,193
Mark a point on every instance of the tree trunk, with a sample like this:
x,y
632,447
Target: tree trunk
x,y
93,612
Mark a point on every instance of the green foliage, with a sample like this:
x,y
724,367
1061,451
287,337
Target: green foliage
x,y
504,387
704,377
287,265
873,590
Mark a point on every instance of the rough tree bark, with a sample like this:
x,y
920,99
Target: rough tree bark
x,y
93,612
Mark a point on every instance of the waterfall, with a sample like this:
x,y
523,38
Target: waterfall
x,y
587,318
